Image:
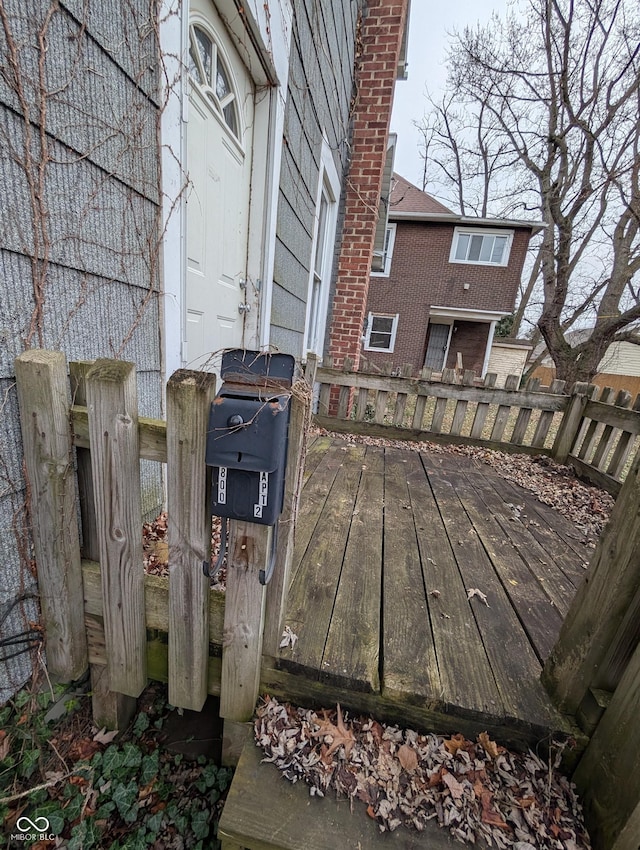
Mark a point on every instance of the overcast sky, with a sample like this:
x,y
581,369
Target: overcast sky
x,y
428,26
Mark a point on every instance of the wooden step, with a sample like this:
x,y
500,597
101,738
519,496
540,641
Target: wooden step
x,y
264,811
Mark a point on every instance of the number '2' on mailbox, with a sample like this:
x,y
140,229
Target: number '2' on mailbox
x,y
247,448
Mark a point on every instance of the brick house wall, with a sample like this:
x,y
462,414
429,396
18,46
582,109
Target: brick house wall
x,y
421,276
382,31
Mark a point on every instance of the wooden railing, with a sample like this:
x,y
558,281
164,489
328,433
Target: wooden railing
x,y
98,606
593,430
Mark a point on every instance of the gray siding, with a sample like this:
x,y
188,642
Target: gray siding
x,y
80,186
319,95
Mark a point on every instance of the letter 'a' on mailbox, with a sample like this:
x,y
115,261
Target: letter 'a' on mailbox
x,y
247,437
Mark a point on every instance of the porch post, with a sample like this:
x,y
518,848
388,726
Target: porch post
x,y
601,606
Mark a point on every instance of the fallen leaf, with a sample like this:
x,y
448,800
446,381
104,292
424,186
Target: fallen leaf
x,y
289,638
490,747
489,814
339,734
457,742
5,744
408,758
104,737
83,749
457,790
474,591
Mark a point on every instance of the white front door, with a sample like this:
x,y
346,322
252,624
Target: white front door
x,y
219,151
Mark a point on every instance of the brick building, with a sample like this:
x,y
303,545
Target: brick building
x,y
445,280
382,52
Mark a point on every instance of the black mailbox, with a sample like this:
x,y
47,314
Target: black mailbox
x,y
247,438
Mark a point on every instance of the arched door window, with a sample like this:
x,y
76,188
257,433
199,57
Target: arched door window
x,y
209,72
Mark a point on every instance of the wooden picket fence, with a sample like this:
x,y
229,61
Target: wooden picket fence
x,y
594,430
98,605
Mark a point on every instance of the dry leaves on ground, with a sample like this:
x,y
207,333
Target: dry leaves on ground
x,y
477,790
155,547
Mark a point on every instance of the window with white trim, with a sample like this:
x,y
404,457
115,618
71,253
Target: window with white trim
x,y
380,334
481,247
384,262
324,237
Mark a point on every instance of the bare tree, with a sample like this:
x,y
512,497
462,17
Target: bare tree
x,y
555,93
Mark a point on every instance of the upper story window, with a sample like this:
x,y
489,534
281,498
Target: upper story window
x,y
384,262
381,332
481,247
209,71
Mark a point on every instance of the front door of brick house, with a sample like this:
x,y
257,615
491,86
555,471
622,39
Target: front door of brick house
x,y
219,154
437,345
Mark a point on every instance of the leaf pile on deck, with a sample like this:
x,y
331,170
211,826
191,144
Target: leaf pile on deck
x,y
478,790
554,484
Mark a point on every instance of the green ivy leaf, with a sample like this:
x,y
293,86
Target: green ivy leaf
x,y
37,797
54,814
126,799
150,767
111,760
225,775
200,823
131,755
75,807
154,822
29,762
105,810
21,698
78,839
141,724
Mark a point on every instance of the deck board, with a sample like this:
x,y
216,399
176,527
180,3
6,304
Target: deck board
x,y
410,668
352,650
316,491
544,565
540,618
466,677
389,541
510,653
314,586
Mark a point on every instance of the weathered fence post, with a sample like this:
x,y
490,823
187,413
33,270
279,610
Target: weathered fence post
x,y
43,396
248,553
600,605
278,587
78,374
109,708
604,776
115,460
189,397
571,421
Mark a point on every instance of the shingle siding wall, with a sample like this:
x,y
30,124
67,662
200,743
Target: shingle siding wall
x,y
320,89
80,189
422,277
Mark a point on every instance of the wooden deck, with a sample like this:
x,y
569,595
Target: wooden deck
x,y
389,543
